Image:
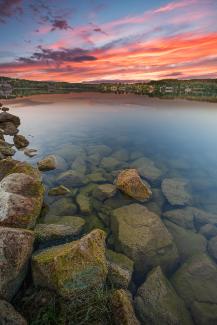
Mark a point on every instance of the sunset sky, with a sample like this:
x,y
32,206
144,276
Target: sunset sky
x,y
84,40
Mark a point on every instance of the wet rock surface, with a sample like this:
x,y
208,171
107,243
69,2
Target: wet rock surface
x,y
20,141
72,269
140,234
16,247
157,302
176,191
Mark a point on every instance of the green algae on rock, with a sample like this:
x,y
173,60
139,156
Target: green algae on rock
x,y
72,269
16,249
157,302
141,235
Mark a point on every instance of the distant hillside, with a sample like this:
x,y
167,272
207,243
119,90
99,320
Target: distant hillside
x,y
196,89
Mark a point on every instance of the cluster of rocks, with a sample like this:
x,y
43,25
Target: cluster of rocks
x,y
154,232
9,124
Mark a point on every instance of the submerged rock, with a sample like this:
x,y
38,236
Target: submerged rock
x,y
129,182
196,281
71,178
212,247
110,163
188,242
76,223
73,269
122,308
30,152
204,314
208,231
147,169
120,269
84,203
79,165
157,302
55,232
15,250
63,207
104,191
52,162
140,234
182,217
9,316
176,191
60,190
20,141
21,198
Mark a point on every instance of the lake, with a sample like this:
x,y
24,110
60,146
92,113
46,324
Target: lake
x,y
173,145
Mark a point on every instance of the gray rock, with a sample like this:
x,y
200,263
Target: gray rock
x,y
71,178
76,223
15,251
9,316
110,163
104,191
147,169
182,217
208,231
63,207
157,302
120,269
140,234
176,191
84,203
212,247
188,242
196,280
52,162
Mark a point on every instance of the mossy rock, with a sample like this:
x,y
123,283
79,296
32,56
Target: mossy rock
x,y
73,269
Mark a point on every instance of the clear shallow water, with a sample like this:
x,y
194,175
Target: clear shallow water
x,y
178,137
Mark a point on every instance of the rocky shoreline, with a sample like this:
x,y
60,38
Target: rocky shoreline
x,y
61,262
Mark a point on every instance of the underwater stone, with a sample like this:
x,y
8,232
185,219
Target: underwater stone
x,y
156,301
176,191
141,235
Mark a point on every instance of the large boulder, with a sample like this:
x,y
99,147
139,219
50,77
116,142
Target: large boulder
x,y
176,191
188,242
181,217
141,235
15,251
9,316
147,169
129,182
9,128
7,117
120,269
21,198
76,223
73,269
20,141
196,281
157,302
122,308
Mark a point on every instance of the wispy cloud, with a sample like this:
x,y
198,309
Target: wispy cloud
x,y
10,8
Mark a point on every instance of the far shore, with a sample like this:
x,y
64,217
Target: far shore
x,y
105,97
